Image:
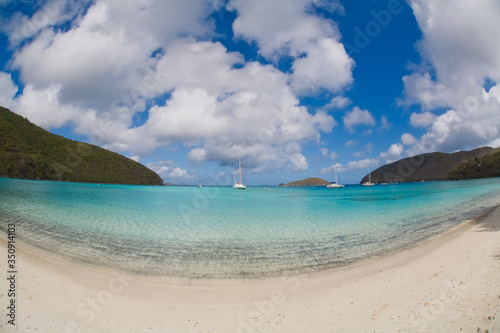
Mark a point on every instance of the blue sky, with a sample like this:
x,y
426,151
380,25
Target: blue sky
x,y
295,88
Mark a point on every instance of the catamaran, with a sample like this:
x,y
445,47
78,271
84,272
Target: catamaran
x,y
239,185
369,182
335,184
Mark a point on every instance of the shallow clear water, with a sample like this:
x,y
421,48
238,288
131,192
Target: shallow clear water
x,y
219,232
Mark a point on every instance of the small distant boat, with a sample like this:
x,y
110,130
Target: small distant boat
x,y
369,182
335,184
239,185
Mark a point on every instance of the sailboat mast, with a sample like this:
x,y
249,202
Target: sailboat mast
x,y
239,160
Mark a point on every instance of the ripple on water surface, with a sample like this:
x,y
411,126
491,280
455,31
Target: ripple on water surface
x,y
222,233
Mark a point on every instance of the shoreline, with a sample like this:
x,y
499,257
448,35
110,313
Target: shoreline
x,y
60,259
44,253
445,283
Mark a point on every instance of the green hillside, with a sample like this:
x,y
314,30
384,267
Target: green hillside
x,y
428,167
30,152
484,167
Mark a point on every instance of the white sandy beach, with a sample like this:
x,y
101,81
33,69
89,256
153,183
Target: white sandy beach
x,y
448,284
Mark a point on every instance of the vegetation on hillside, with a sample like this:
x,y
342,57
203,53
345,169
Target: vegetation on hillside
x,y
484,167
308,182
28,151
428,167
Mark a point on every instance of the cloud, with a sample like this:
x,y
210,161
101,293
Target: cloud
x,y
298,162
385,125
293,27
331,155
319,59
422,119
331,6
326,66
42,107
169,171
363,164
408,139
421,89
338,102
332,168
456,130
135,158
367,151
357,117
7,90
19,27
458,57
222,112
393,153
107,53
198,155
461,43
351,143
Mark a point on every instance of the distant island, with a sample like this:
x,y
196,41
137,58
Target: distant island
x,y
30,152
440,166
307,182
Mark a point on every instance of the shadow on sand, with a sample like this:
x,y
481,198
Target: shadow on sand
x,y
489,220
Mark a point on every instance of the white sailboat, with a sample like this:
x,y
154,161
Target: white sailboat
x,y
239,185
369,182
335,184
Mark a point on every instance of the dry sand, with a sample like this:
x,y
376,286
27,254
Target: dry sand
x,y
448,284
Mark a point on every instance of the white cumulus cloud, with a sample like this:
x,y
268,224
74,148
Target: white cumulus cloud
x,y
393,153
320,60
338,102
459,55
168,170
407,139
356,117
366,163
7,89
424,119
298,162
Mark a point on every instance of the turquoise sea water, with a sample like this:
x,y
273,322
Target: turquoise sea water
x,y
219,232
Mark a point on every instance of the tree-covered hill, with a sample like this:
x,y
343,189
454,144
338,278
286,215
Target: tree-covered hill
x,y
484,167
428,167
30,152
